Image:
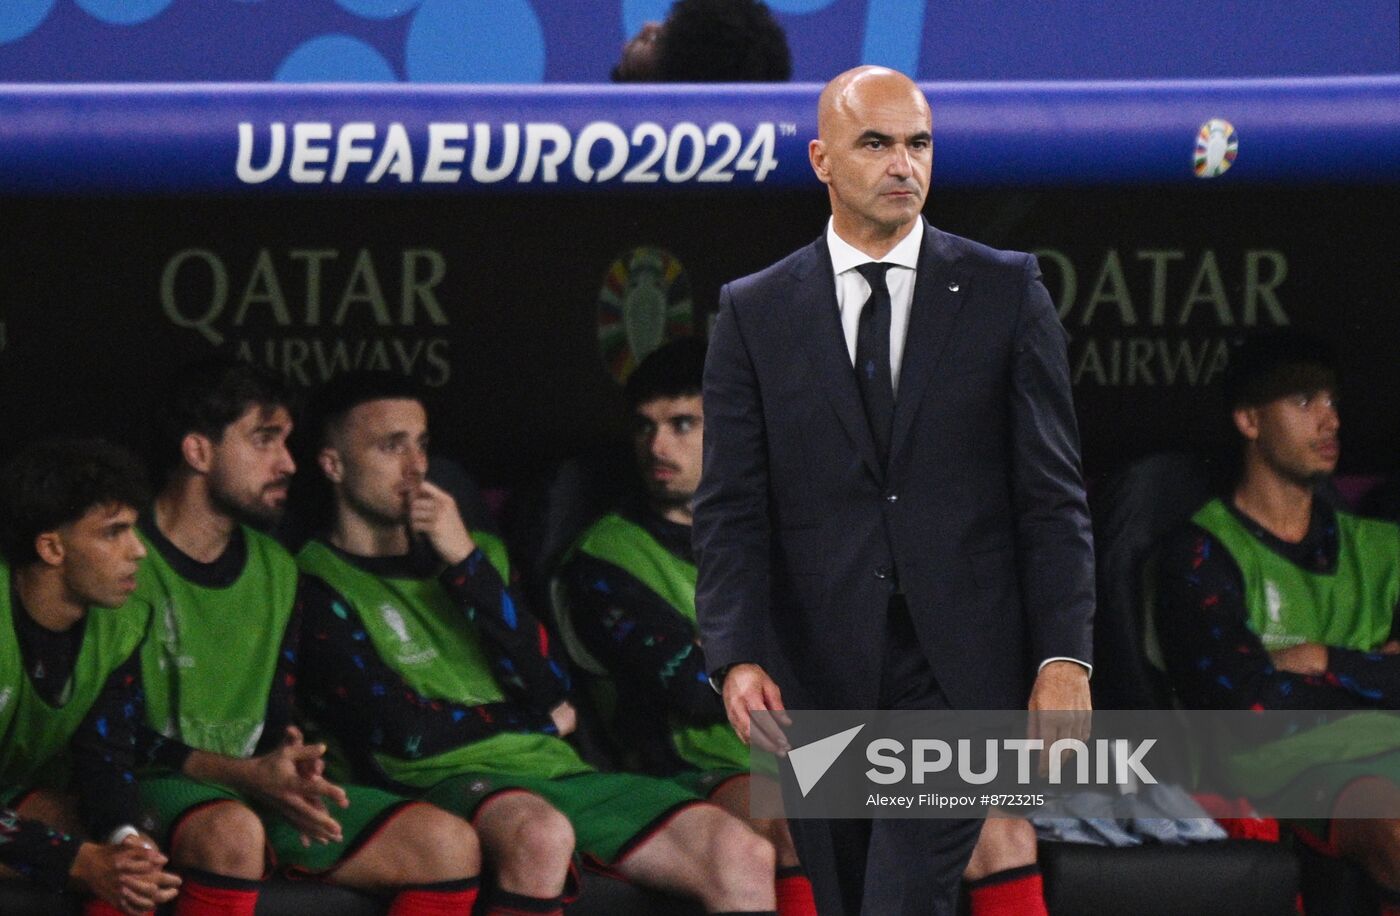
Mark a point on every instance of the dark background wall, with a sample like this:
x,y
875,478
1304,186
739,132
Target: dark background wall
x,y
506,300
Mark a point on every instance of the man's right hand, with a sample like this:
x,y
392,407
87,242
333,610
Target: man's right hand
x,y
291,780
433,514
129,875
748,687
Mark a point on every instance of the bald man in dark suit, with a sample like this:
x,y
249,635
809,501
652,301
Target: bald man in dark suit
x,y
891,513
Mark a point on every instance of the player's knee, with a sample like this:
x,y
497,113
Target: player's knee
x,y
445,846
737,852
546,838
774,830
225,838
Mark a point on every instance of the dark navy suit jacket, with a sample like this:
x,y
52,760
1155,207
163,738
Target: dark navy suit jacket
x,y
979,519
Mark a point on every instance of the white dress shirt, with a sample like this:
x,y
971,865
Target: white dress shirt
x,y
852,291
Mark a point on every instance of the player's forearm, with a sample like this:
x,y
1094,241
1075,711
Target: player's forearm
x,y
35,852
510,631
104,750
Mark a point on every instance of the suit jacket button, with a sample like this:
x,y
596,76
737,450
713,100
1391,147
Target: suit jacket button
x,y
892,498
882,572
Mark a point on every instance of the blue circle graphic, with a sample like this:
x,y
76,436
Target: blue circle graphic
x,y
475,41
335,59
378,9
123,12
20,17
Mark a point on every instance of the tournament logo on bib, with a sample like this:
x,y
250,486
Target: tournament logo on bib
x,y
645,301
170,639
1216,148
1276,634
410,653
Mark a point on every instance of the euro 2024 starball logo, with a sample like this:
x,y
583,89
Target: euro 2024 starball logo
x,y
1216,148
645,302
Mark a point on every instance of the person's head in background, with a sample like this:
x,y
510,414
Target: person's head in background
x,y
708,41
1281,388
668,424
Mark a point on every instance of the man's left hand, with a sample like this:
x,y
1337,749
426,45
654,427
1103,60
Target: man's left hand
x,y
1060,706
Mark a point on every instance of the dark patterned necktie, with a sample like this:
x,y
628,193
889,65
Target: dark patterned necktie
x,y
873,358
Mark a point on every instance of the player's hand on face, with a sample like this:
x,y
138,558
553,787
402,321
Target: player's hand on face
x,y
432,513
748,687
129,875
291,779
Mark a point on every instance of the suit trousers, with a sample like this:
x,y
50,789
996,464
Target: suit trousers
x,y
890,867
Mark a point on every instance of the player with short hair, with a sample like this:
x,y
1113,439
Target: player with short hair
x,y
69,701
1276,598
435,678
625,603
234,774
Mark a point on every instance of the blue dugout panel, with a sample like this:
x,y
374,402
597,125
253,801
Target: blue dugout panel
x,y
392,139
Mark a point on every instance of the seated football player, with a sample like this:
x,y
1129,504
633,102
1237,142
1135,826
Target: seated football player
x,y
69,708
1273,598
435,679
233,776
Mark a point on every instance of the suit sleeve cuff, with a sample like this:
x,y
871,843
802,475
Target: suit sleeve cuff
x,y
1088,668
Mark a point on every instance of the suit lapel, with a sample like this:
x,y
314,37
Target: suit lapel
x,y
931,316
816,322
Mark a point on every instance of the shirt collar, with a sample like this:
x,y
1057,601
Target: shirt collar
x,y
845,256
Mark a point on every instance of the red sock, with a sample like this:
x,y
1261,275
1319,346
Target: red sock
x,y
96,907
1014,892
794,893
450,898
205,894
